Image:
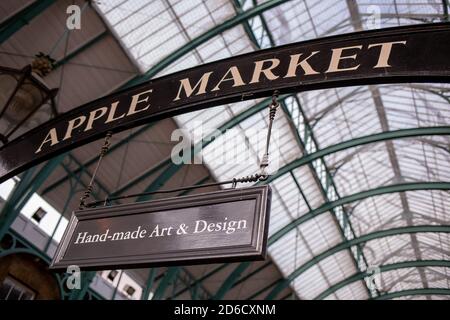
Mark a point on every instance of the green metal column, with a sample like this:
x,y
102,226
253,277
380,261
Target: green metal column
x,y
23,192
149,284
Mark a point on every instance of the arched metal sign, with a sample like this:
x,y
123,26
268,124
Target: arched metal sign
x,y
396,55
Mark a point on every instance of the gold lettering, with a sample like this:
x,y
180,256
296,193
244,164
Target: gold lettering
x,y
304,64
112,113
267,71
337,57
385,52
73,124
135,100
95,115
235,76
51,137
188,90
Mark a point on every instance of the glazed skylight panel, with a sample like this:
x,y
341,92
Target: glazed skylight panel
x,y
288,22
324,18
351,119
434,246
321,102
311,283
388,250
338,267
309,186
404,12
401,279
408,108
355,290
179,21
376,213
321,233
365,171
231,42
434,204
420,161
289,252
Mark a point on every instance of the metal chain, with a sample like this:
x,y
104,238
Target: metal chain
x,y
261,176
265,158
89,188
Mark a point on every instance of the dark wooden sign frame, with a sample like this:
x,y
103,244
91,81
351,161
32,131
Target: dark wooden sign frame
x,y
212,252
417,53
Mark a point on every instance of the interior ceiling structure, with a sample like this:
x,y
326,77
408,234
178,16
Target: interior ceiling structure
x,y
381,202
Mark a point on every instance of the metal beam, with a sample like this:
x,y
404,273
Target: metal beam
x,y
402,187
168,279
384,268
14,23
404,133
230,280
173,168
415,292
383,136
349,243
23,192
203,38
393,159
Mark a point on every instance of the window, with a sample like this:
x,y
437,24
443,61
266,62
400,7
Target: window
x,y
12,289
129,290
38,215
112,275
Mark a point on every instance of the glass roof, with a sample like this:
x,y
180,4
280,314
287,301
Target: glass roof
x,y
153,30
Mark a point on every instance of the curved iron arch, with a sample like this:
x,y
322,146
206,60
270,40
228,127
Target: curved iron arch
x,y
383,268
347,244
236,273
414,292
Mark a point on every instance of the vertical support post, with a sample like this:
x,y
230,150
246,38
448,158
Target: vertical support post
x,y
23,192
117,286
149,285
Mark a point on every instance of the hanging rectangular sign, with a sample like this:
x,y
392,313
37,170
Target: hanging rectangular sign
x,y
224,226
396,55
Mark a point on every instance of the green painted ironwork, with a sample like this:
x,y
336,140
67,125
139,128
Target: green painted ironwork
x,y
166,281
402,187
200,280
23,192
415,292
194,43
149,284
21,245
403,133
384,268
263,289
347,244
389,135
14,23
